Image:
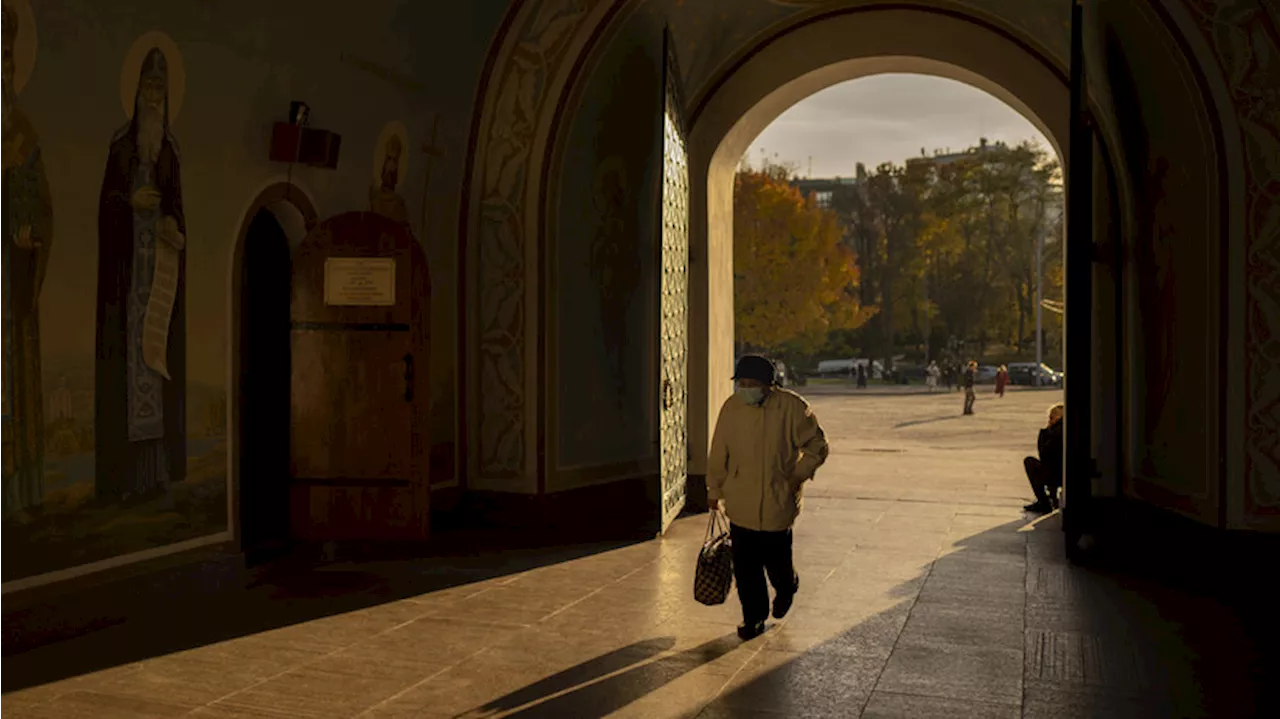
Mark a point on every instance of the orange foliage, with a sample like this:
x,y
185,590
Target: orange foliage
x,y
794,280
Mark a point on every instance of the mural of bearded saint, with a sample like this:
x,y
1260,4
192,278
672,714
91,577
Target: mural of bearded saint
x,y
140,396
28,238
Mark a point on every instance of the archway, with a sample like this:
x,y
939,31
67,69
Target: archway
x,y
514,169
792,65
274,224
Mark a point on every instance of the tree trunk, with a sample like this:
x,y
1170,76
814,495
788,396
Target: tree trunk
x,y
1022,316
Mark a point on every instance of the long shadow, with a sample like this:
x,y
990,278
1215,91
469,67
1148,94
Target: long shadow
x,y
1159,647
155,615
914,422
601,698
1130,646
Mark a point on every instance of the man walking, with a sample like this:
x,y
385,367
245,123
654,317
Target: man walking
x,y
767,443
970,375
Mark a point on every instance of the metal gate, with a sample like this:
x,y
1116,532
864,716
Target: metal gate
x,y
674,296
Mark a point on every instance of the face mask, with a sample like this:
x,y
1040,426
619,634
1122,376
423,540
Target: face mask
x,y
751,395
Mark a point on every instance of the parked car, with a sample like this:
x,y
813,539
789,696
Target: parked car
x,y
846,368
986,374
1031,375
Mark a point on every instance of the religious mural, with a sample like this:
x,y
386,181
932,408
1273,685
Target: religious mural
x,y
607,236
614,259
28,240
390,165
116,341
112,461
1173,368
140,376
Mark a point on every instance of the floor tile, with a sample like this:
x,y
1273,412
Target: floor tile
x,y
803,684
988,674
886,705
964,624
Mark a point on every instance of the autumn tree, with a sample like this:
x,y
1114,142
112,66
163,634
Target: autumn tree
x,y
795,280
945,248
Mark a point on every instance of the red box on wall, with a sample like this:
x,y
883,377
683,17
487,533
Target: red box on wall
x,y
303,145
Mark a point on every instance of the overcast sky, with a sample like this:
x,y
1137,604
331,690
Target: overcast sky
x,y
887,118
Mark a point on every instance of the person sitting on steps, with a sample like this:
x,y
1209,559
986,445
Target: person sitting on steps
x,y
1045,473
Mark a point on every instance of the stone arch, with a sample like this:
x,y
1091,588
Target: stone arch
x,y
1215,39
294,209
795,62
522,99
522,86
529,77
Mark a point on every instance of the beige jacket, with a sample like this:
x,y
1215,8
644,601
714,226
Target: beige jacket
x,y
760,458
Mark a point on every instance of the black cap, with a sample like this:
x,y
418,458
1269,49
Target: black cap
x,y
757,368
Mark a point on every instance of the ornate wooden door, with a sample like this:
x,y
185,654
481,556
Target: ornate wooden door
x,y
674,340
359,397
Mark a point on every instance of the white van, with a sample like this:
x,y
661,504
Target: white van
x,y
845,367
1027,373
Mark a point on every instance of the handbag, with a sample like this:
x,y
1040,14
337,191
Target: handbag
x,y
714,575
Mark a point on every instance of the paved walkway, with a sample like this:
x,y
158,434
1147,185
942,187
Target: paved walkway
x,y
926,592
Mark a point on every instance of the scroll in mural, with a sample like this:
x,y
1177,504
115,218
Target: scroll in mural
x,y
390,163
28,239
140,378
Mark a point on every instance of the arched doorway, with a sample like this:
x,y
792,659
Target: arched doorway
x,y
798,61
275,223
739,86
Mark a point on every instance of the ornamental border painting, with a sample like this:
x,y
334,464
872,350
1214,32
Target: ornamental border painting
x,y
125,455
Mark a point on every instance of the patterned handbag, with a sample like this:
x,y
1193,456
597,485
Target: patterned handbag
x,y
714,575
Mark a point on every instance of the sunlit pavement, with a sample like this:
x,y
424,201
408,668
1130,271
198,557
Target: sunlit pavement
x,y
926,592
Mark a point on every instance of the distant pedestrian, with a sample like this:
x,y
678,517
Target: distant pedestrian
x,y
767,444
948,377
1002,379
970,377
862,377
931,376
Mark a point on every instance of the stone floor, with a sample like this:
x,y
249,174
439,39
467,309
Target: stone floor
x,y
926,592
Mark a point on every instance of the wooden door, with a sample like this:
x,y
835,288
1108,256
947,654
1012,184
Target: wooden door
x,y
359,396
674,310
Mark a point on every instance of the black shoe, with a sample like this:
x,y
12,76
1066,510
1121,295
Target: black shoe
x,y
1038,507
747,632
782,602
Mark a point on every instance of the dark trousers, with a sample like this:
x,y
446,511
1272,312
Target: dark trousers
x,y
754,553
969,398
1044,486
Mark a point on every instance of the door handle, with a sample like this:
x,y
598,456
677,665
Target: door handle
x,y
408,377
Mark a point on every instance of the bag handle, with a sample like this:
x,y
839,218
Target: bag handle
x,y
717,520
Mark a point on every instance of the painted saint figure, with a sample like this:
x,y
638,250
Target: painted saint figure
x,y
384,197
1159,308
140,398
28,238
614,265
